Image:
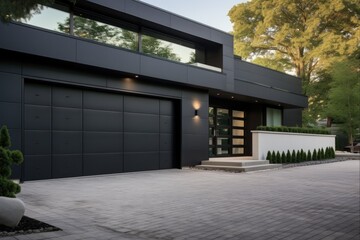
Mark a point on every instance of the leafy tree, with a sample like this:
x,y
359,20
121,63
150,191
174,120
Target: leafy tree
x,y
309,35
16,9
304,32
273,63
7,157
344,96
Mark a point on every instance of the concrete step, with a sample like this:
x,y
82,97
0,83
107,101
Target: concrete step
x,y
234,162
237,168
232,158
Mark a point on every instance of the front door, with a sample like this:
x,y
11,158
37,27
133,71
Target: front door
x,y
226,132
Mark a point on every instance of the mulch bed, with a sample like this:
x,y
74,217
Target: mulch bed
x,y
26,226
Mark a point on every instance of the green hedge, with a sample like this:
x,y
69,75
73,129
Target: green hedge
x,y
294,130
300,155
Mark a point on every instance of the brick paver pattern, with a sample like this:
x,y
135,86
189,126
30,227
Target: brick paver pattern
x,y
311,202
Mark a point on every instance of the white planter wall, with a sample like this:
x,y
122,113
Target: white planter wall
x,y
264,141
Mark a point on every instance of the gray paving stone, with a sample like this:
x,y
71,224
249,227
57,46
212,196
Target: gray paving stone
x,y
315,202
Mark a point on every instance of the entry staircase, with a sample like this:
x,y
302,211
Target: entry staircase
x,y
236,164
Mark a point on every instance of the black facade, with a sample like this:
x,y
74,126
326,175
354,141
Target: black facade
x,y
77,106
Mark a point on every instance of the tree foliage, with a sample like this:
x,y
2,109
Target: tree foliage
x,y
344,95
306,33
16,9
8,157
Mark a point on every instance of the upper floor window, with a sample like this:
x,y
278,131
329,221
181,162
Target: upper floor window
x,y
111,31
49,18
162,46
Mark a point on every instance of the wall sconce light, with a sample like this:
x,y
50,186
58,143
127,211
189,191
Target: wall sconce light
x,y
196,112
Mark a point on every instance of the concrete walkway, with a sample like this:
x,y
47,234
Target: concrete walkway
x,y
312,202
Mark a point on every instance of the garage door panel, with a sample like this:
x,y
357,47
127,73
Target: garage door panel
x,y
103,163
167,160
103,101
97,120
166,124
37,142
67,142
66,97
141,123
38,94
103,142
166,108
37,167
67,119
141,142
141,161
141,105
66,166
166,142
37,117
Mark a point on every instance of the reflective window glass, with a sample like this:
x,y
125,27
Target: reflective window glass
x,y
222,141
49,18
273,117
166,49
105,33
222,150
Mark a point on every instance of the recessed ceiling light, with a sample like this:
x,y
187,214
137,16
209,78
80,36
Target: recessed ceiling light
x,y
279,105
256,101
218,94
232,96
136,76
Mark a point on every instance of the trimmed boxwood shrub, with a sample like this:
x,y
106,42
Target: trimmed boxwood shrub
x,y
293,129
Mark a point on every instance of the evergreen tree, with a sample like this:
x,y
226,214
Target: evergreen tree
x,y
278,157
308,157
273,157
268,157
314,155
288,156
283,157
293,156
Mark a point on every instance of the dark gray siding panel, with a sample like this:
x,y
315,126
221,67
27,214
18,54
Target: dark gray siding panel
x,y
37,142
10,65
10,115
166,142
67,119
252,90
103,163
66,97
292,117
141,105
167,124
48,44
149,13
141,142
107,57
184,25
154,67
66,166
66,142
15,135
37,117
103,101
37,167
141,161
10,87
103,142
38,94
201,77
141,123
258,74
103,121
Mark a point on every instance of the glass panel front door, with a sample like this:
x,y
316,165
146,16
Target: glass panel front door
x,y
226,132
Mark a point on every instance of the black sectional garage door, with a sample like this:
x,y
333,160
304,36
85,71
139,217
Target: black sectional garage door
x,y
75,132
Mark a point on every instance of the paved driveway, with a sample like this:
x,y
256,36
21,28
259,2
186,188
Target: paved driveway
x,y
312,202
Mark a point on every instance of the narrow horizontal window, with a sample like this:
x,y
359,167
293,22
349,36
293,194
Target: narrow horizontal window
x,y
49,18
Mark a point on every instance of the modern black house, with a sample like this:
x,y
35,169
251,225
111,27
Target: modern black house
x,y
109,86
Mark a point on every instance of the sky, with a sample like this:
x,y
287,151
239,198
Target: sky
x,y
209,12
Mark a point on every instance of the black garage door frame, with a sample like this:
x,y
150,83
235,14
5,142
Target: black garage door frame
x,y
145,139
